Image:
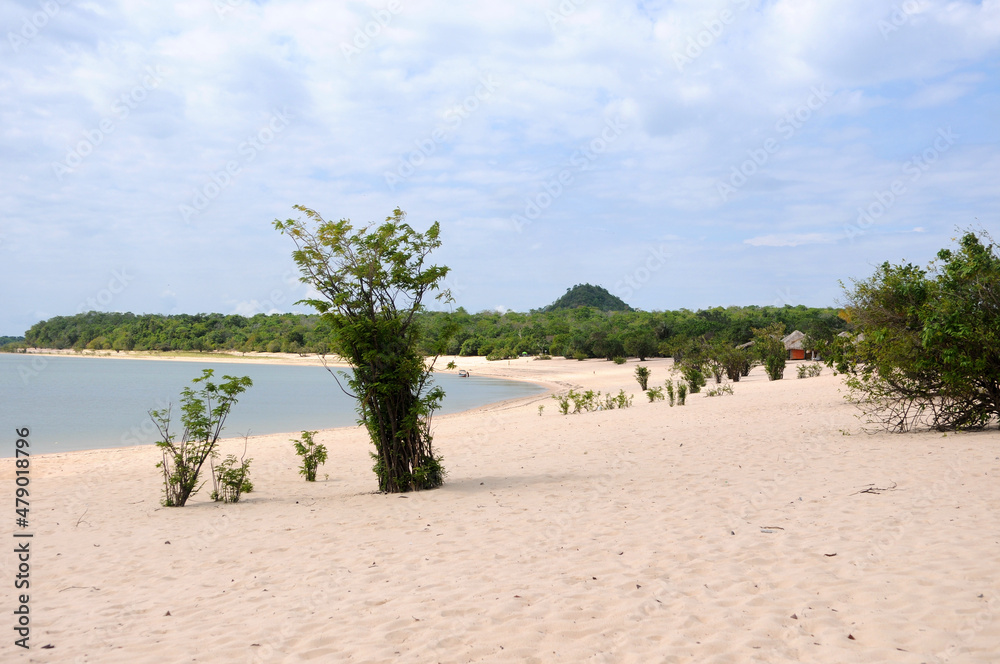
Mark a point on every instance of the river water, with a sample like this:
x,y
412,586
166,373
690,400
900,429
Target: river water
x,y
77,403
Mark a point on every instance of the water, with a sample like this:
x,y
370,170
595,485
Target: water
x,y
79,403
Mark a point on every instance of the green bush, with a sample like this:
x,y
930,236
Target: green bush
x,y
623,400
231,479
642,376
694,377
203,414
770,349
313,455
927,348
808,370
585,401
719,391
618,359
682,391
654,394
500,354
737,362
669,386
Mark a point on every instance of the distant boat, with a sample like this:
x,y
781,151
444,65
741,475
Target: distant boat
x,y
462,373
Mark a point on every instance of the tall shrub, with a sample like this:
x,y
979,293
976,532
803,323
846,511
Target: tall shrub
x,y
371,284
927,345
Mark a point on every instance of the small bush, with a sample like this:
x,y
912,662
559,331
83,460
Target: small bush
x,y
717,369
682,392
737,362
719,391
544,357
313,455
203,414
579,356
590,401
770,350
586,401
655,394
809,371
669,387
623,400
694,377
231,480
642,376
540,409
618,359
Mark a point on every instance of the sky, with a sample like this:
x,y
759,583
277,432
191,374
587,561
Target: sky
x,y
681,154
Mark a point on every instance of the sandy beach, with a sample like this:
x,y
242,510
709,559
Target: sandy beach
x,y
763,526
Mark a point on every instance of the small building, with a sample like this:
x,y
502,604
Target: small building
x,y
795,347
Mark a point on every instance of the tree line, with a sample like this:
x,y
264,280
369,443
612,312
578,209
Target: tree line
x,y
579,332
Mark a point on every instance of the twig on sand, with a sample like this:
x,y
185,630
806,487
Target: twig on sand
x,y
875,489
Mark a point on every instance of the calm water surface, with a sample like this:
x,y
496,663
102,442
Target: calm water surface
x,y
78,403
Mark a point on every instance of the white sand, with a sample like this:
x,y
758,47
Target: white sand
x,y
621,536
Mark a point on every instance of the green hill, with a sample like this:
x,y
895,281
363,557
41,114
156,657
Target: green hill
x,y
585,295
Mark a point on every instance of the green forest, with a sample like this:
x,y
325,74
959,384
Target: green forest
x,y
571,331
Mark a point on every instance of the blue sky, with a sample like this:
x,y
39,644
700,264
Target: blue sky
x,y
681,154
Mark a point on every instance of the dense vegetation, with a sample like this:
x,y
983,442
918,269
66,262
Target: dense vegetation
x,y
10,340
927,352
585,295
580,332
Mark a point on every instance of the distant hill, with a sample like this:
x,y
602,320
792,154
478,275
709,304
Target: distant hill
x,y
585,295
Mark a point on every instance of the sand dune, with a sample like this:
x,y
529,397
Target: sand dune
x,y
733,529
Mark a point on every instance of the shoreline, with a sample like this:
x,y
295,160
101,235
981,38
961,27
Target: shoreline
x,y
187,356
287,359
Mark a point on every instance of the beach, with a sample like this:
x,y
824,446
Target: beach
x,y
762,526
